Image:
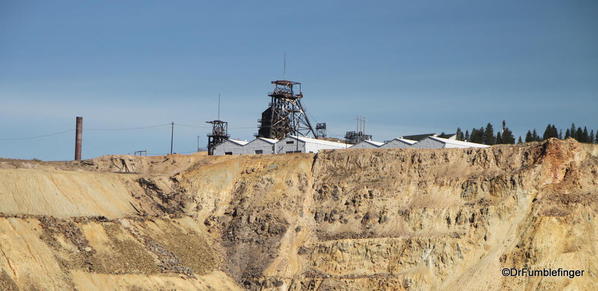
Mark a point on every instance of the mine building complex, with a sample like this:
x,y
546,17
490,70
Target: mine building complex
x,y
285,128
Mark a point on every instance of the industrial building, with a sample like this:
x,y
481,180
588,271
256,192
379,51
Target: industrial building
x,y
398,143
230,147
260,145
301,144
434,142
367,144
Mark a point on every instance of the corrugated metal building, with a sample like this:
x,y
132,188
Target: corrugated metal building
x,y
260,145
293,144
398,143
230,147
434,142
367,144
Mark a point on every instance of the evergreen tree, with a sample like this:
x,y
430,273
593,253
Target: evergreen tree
x,y
591,136
519,140
529,137
499,138
546,132
489,138
567,134
535,136
459,134
550,131
573,131
477,135
507,136
579,134
467,135
585,137
561,134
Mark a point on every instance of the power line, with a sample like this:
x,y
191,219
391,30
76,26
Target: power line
x,y
39,136
129,128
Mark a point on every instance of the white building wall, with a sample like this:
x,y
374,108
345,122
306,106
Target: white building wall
x,y
395,144
228,147
257,145
288,145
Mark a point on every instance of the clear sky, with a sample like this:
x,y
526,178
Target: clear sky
x,y
407,66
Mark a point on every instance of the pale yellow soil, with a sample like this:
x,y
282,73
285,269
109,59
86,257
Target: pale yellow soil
x,y
390,219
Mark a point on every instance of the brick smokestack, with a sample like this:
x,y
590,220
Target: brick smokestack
x,y
78,138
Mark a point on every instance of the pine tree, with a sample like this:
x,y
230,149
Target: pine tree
x,y
573,131
579,134
477,135
546,132
529,137
498,138
467,135
591,136
519,140
550,131
535,136
585,137
507,136
489,138
561,134
459,134
567,134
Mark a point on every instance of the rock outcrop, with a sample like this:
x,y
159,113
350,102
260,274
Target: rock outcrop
x,y
380,219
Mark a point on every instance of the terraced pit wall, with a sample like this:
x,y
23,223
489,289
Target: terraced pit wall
x,y
385,219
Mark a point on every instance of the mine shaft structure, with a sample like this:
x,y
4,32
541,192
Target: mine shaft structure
x,y
285,115
219,132
218,135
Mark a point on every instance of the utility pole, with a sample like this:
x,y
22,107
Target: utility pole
x,y
78,137
171,136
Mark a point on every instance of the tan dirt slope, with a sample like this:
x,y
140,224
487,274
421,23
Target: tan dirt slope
x,y
389,219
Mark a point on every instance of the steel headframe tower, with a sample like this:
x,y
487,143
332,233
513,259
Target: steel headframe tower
x,y
286,115
219,134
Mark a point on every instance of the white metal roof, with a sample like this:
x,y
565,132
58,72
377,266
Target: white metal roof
x,y
239,142
319,141
404,140
268,140
458,142
375,143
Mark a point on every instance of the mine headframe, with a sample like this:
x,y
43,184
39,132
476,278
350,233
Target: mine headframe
x,y
285,115
218,135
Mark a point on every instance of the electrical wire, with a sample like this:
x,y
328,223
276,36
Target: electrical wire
x,y
130,128
38,136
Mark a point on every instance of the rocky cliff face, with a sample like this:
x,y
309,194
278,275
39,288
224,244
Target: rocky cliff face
x,y
347,220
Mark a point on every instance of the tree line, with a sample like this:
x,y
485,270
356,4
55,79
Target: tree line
x,y
486,135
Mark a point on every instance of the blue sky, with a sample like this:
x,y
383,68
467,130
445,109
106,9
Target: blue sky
x,y
407,66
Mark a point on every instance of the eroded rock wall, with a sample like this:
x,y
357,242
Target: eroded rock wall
x,y
384,219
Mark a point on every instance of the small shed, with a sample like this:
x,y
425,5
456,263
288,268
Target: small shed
x,y
230,147
260,145
300,144
398,143
434,142
367,144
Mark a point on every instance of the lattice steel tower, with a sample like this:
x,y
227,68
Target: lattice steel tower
x,y
285,116
219,131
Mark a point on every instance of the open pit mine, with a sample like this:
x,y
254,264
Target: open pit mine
x,y
366,219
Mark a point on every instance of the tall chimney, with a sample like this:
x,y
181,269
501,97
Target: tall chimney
x,y
78,138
